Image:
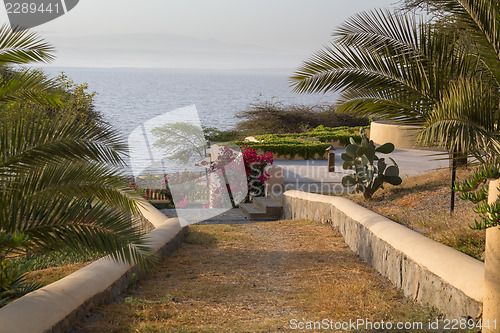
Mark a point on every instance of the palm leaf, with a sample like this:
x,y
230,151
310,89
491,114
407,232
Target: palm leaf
x,y
62,188
382,60
467,113
22,47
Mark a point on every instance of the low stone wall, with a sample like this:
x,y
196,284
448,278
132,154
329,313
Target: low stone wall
x,y
58,306
425,270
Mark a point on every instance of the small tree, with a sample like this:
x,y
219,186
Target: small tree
x,y
182,141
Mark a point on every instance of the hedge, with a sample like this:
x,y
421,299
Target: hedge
x,y
292,145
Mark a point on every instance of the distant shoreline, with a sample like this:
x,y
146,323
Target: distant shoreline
x,y
284,70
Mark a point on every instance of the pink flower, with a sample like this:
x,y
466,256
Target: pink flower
x,y
182,204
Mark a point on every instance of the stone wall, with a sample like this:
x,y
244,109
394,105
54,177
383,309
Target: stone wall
x,y
425,270
402,136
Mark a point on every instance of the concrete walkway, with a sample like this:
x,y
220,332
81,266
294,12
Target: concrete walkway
x,y
313,175
232,216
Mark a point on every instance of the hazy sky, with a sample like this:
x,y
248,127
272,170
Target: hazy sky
x,y
297,27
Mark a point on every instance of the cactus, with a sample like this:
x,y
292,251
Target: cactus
x,y
367,177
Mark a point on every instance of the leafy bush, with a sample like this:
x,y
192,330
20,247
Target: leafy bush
x,y
53,259
213,134
272,117
292,144
76,103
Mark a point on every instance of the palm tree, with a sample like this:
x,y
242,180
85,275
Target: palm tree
x,y
397,67
61,184
388,65
63,188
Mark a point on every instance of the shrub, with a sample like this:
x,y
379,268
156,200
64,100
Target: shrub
x,y
213,134
272,117
255,165
290,144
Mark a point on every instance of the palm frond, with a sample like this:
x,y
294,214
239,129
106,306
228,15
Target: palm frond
x,y
481,19
28,85
383,59
382,30
24,145
22,47
63,189
466,119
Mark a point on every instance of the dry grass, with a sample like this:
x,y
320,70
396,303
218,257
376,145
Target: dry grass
x,y
422,203
256,278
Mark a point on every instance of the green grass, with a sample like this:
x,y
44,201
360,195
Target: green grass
x,y
53,259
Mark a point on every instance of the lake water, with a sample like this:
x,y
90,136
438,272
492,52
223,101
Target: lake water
x,y
136,100
129,97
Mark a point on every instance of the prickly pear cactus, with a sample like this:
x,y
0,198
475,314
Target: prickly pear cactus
x,y
370,171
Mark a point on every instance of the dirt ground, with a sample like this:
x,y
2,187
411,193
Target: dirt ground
x,y
422,203
257,277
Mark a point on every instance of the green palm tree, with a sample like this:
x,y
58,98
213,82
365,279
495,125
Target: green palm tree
x,y
20,48
63,188
61,183
398,67
469,112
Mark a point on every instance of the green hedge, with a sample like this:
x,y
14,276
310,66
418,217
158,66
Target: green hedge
x,y
305,149
324,134
292,145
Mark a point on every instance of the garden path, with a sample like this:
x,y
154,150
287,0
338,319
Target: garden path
x,y
313,175
256,277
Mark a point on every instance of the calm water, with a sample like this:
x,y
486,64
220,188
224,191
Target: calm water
x,y
129,98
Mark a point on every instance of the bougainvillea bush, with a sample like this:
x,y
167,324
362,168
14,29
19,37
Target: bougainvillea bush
x,y
254,169
255,165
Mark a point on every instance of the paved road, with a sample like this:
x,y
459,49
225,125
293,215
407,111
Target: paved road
x,y
313,175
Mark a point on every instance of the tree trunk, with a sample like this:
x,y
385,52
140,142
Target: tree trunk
x,y
491,288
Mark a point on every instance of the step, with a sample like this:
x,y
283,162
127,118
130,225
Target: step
x,y
252,212
269,205
278,198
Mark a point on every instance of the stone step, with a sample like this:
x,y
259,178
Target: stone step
x,y
253,212
278,198
269,205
